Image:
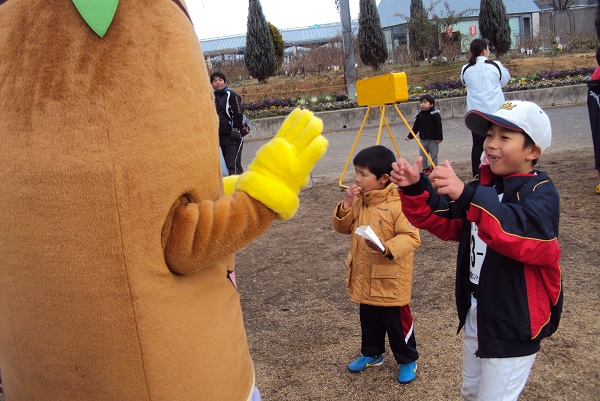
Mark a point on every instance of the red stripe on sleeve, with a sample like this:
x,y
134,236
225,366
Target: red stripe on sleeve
x,y
533,251
420,214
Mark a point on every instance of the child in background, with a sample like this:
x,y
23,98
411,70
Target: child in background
x,y
428,124
379,280
508,278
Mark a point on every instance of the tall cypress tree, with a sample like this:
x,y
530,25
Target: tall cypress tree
x,y
417,17
259,55
422,33
493,24
371,41
278,44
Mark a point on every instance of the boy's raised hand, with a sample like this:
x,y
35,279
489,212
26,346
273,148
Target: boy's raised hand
x,y
445,181
405,174
351,193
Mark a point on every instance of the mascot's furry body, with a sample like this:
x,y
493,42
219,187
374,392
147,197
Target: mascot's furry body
x,y
115,235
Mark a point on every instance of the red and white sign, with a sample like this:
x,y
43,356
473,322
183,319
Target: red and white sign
x,y
473,30
449,32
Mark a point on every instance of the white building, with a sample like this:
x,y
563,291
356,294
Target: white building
x,y
523,19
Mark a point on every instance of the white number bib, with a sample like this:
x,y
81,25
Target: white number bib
x,y
478,250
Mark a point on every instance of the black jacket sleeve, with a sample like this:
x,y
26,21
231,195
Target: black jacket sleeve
x,y
437,122
416,126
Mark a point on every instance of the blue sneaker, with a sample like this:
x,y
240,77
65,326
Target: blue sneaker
x,y
408,372
365,362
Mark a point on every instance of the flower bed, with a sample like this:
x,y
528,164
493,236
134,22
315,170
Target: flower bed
x,y
439,90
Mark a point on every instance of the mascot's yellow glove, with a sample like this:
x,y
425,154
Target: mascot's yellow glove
x,y
282,166
229,183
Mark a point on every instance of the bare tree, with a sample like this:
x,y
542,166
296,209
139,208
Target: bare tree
x,y
324,58
558,4
425,28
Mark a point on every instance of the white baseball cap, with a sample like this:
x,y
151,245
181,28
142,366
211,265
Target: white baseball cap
x,y
516,115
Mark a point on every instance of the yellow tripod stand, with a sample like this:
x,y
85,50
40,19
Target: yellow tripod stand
x,y
383,120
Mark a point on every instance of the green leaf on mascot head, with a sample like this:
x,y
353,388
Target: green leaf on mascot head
x,y
98,14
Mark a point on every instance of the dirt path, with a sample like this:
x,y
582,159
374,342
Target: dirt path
x,y
303,330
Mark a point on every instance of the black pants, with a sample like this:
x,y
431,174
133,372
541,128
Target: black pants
x,y
476,152
593,103
397,322
232,153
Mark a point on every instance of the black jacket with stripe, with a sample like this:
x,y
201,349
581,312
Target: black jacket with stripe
x,y
519,294
229,110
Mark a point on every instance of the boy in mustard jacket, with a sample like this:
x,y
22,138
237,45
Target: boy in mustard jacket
x,y
379,279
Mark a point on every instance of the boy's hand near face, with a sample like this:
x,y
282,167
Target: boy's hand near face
x,y
405,174
445,181
351,193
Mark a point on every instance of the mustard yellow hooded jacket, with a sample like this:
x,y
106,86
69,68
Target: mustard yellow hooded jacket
x,y
373,278
115,235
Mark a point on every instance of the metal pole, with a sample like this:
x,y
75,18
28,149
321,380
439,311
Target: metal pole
x,y
350,69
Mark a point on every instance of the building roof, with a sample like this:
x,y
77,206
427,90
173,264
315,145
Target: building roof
x,y
316,34
395,12
224,43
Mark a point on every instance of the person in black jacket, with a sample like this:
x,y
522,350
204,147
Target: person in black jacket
x,y
508,277
229,110
428,124
593,103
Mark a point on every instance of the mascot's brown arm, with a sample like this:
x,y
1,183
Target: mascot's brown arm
x,y
197,235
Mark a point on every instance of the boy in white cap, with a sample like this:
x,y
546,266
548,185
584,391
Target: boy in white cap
x,y
508,279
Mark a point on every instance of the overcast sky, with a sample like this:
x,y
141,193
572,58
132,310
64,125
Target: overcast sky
x,y
214,18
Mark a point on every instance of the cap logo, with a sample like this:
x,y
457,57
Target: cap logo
x,y
508,106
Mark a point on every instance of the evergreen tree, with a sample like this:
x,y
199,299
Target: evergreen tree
x,y
417,17
278,44
371,42
493,25
422,33
259,55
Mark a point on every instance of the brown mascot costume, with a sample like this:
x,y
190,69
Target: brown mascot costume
x,y
116,236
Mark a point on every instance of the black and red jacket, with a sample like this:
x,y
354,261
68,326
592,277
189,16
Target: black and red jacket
x,y
519,295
